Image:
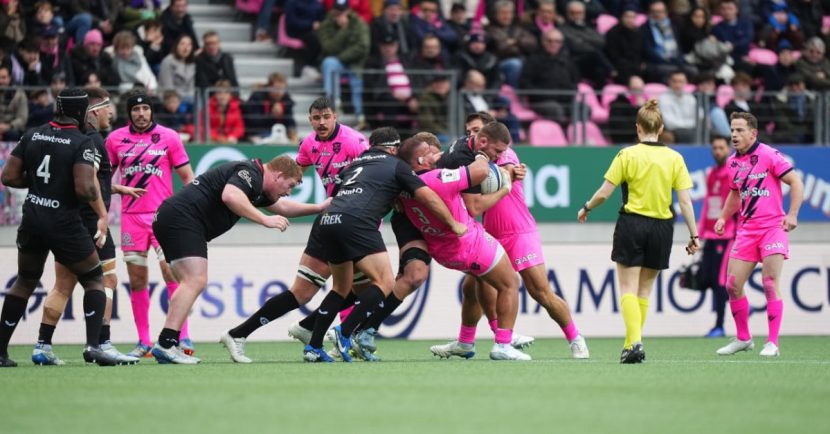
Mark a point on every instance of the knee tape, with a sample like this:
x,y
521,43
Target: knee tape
x,y
769,288
135,258
310,275
109,292
159,253
108,266
414,254
94,275
360,279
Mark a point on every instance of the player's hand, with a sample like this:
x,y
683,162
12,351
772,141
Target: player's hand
x,y
693,246
505,173
582,216
133,192
789,223
519,172
459,228
719,226
276,222
101,232
325,204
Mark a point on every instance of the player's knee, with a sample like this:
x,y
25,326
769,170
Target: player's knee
x,y
92,278
769,288
732,287
54,306
306,274
415,265
304,290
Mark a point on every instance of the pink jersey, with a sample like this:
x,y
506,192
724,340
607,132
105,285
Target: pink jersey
x,y
756,175
717,189
510,215
146,160
332,155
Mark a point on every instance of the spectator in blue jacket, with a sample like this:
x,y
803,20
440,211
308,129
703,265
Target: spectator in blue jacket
x,y
428,20
661,46
735,30
781,24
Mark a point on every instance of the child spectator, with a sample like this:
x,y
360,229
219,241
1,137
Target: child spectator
x,y
225,115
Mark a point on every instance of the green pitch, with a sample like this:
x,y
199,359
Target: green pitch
x,y
682,388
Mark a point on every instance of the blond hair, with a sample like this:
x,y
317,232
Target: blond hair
x,y
649,117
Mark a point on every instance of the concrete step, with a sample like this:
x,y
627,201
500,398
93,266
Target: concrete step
x,y
262,66
228,31
248,48
201,12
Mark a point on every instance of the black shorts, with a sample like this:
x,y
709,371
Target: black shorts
x,y
178,235
106,252
344,238
641,241
67,239
405,231
714,253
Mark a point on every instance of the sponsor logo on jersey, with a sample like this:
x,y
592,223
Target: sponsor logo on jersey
x,y
155,138
246,176
340,164
450,175
350,191
331,219
757,175
755,192
43,201
336,147
52,139
526,258
89,155
774,246
143,168
157,152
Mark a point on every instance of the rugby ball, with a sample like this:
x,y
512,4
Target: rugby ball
x,y
496,180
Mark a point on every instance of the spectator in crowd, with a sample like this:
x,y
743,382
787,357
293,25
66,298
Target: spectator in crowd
x,y
153,44
623,112
662,51
474,56
814,66
136,12
428,21
781,24
500,109
212,64
362,8
703,49
542,19
734,29
344,43
694,28
775,76
129,62
389,96
269,106
393,22
92,80
263,18
176,22
57,84
810,13
550,70
13,25
624,47
680,111
98,13
459,21
586,46
433,109
53,59
178,70
89,58
794,112
225,115
14,108
743,101
44,18
302,19
27,69
41,109
718,123
473,93
593,9
176,115
429,58
511,43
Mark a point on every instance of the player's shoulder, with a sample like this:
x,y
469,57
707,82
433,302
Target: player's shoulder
x,y
354,136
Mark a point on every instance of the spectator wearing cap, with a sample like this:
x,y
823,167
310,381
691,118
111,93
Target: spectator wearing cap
x,y
53,59
794,112
361,8
27,69
474,56
781,24
814,66
129,62
542,19
430,58
426,19
551,69
433,108
510,42
175,22
212,64
389,97
269,106
586,45
459,21
88,58
14,108
734,29
394,22
660,45
624,47
13,25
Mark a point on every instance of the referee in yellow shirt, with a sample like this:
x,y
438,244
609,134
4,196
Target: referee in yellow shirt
x,y
647,172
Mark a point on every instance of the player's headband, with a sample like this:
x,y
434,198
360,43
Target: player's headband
x,y
391,144
101,104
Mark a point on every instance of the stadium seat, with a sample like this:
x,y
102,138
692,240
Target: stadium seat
x,y
654,90
724,95
610,93
605,22
287,41
523,113
690,88
825,22
544,132
763,56
599,113
715,20
593,135
641,19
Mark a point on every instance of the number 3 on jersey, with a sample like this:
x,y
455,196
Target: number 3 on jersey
x,y
421,216
43,169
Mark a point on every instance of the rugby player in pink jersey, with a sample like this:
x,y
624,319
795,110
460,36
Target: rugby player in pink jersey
x,y
145,155
756,171
476,253
510,221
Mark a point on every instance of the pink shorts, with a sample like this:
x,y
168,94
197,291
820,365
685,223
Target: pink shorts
x,y
524,250
754,246
478,255
137,233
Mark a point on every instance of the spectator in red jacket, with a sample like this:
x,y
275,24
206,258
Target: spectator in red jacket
x,y
225,115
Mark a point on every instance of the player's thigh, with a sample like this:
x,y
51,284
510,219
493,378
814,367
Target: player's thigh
x,y
65,279
738,272
342,276
629,278
192,272
646,281
378,270
501,276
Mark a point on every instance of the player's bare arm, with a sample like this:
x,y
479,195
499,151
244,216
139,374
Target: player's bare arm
x,y
125,190
685,202
85,188
185,173
239,203
291,208
435,205
733,202
13,174
790,221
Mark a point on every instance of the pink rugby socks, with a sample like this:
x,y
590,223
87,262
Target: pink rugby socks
x,y
494,324
775,309
140,301
504,336
467,334
570,331
740,311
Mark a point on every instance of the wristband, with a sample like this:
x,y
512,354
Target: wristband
x,y
585,208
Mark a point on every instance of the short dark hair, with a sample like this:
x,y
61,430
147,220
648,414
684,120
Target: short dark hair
x,y
750,119
407,150
719,137
385,136
496,131
482,116
96,94
320,104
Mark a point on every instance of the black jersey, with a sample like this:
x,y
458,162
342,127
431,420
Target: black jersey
x,y
370,185
104,166
49,153
460,153
202,202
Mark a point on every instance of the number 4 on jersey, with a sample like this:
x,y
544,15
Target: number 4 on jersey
x,y
43,169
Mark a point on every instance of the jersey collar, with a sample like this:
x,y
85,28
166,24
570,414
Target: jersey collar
x,y
332,136
653,143
751,148
152,127
62,126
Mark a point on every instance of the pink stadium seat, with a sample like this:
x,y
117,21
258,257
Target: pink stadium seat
x,y
593,135
605,22
825,22
610,93
715,20
654,90
724,95
763,56
641,19
690,88
599,113
523,113
544,132
796,54
287,41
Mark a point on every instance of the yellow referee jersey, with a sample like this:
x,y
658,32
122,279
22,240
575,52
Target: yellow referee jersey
x,y
647,173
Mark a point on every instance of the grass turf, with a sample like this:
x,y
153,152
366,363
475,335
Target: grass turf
x,y
682,388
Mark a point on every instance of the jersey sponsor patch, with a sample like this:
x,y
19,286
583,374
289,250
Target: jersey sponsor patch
x,y
246,176
89,155
450,175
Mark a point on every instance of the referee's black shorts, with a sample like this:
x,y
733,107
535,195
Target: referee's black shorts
x,y
346,238
641,241
178,235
